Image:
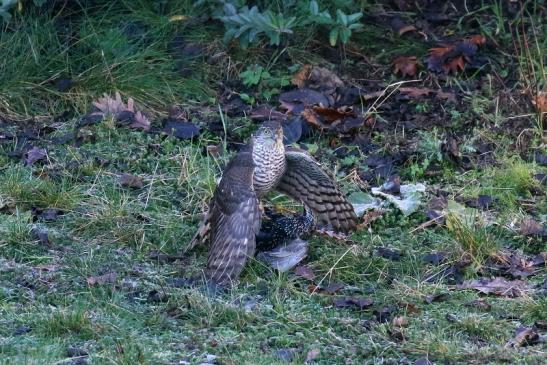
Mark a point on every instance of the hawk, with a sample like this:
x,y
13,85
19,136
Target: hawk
x,y
234,214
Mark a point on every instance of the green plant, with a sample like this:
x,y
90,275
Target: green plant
x,y
268,85
250,24
341,27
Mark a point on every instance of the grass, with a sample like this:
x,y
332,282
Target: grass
x,y
139,312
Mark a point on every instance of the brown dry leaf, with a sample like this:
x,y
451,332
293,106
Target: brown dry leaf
x,y
316,77
416,92
444,95
330,289
401,27
454,65
400,321
311,117
541,101
405,65
478,39
497,286
525,336
118,109
530,227
305,272
312,355
349,302
331,115
371,216
34,155
451,58
108,278
140,121
299,79
480,304
406,29
131,181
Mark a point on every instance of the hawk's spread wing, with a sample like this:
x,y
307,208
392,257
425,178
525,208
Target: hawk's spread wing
x,y
234,223
305,180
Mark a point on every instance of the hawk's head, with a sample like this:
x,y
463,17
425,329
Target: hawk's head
x,y
269,135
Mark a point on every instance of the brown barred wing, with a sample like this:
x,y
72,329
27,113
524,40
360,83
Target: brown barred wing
x,y
234,222
306,181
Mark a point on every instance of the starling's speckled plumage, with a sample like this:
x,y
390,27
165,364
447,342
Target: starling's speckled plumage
x,y
278,229
266,165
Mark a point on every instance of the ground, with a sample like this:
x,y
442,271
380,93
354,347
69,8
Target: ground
x,y
95,210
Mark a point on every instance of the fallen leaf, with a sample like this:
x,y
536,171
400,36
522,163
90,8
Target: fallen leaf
x,y
181,129
331,289
140,121
416,92
451,58
540,101
34,155
108,278
401,27
156,296
389,253
423,361
293,130
384,314
312,355
440,297
497,286
286,355
477,39
405,65
50,215
435,258
315,77
21,330
399,321
64,84
295,101
524,336
264,113
305,272
331,115
349,302
530,227
76,352
370,217
41,235
131,181
480,304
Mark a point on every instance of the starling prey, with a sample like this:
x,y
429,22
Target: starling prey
x,y
291,171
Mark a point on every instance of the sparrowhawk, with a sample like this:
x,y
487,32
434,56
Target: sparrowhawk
x,y
234,213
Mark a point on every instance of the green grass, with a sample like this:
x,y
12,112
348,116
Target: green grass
x,y
141,315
